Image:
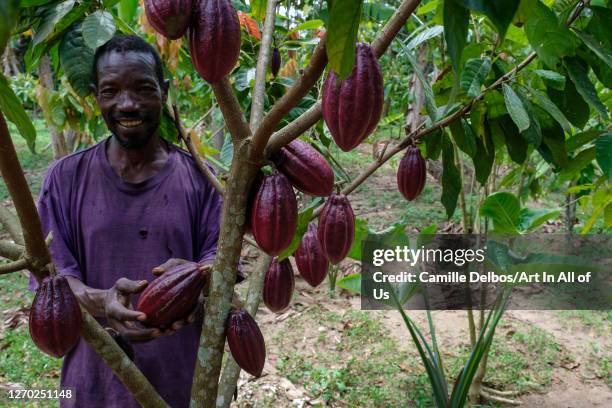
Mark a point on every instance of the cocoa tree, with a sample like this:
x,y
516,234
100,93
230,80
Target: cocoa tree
x,y
470,112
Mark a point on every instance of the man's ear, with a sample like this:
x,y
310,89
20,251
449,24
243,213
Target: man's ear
x,y
93,88
164,87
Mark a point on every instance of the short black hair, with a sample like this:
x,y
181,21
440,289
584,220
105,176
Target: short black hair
x,y
126,43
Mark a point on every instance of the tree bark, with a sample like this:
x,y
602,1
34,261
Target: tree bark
x,y
45,75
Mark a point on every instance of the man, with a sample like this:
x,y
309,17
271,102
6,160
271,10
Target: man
x,y
119,209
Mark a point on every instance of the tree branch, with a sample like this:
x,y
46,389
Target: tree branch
x,y
294,95
309,118
11,224
14,266
11,251
202,167
259,89
230,108
231,371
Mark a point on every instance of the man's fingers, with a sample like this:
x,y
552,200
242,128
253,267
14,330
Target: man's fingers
x,y
140,334
117,311
126,285
172,262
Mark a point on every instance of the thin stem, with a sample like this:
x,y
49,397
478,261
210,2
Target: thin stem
x,y
11,224
14,266
11,251
259,89
230,108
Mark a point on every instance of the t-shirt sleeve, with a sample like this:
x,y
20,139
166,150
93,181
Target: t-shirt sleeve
x,y
53,206
209,224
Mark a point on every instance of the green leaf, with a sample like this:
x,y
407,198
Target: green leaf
x,y
474,74
9,10
545,103
599,26
550,39
464,137
504,210
603,149
433,145
258,8
76,58
307,25
456,21
595,46
419,37
342,29
552,78
580,77
98,28
127,9
515,108
351,283
516,144
485,156
552,148
451,179
573,106
10,105
533,135
361,231
52,15
430,101
579,162
581,139
302,226
500,12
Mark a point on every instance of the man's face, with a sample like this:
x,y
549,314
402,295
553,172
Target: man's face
x,y
130,97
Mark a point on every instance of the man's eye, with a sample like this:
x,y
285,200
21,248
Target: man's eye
x,y
108,92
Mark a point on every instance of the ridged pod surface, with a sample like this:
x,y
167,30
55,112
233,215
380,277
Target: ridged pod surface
x,y
170,18
173,295
310,259
278,285
336,230
306,168
246,343
275,62
214,39
55,317
411,174
352,108
274,214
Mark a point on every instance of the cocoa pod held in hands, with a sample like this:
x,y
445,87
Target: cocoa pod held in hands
x,y
278,285
214,39
336,230
274,214
411,174
55,317
310,259
306,168
352,107
173,295
170,18
246,343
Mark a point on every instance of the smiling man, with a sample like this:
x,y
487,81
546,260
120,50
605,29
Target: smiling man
x,y
119,209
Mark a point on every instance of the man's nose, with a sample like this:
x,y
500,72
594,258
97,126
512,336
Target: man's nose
x,y
127,102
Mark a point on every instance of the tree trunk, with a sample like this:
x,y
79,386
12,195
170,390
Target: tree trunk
x,y
45,75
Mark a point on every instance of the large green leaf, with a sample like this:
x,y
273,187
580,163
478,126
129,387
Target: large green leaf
x,y
500,12
484,157
595,46
582,138
456,21
451,179
504,210
578,73
515,108
579,162
516,144
76,59
127,9
599,26
571,103
52,15
344,18
553,148
603,147
351,283
258,8
552,79
8,17
10,105
464,137
474,74
98,28
361,231
531,218
550,39
545,103
419,37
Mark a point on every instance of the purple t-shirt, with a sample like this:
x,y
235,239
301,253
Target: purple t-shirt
x,y
105,229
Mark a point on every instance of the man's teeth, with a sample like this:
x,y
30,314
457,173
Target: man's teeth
x,y
130,123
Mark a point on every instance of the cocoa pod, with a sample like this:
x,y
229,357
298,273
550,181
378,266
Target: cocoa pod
x,y
170,18
278,285
306,168
274,214
411,174
275,62
246,343
352,108
55,317
310,259
173,295
214,39
336,230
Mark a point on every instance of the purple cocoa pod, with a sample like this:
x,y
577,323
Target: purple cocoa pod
x,y
246,343
310,259
336,228
278,285
170,18
411,174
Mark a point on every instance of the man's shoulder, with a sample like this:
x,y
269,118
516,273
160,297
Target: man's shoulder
x,y
71,162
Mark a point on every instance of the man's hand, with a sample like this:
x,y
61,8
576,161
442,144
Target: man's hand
x,y
120,314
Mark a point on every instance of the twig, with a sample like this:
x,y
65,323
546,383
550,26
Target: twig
x,y
502,400
14,266
259,89
202,167
11,224
230,108
11,251
199,121
500,393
